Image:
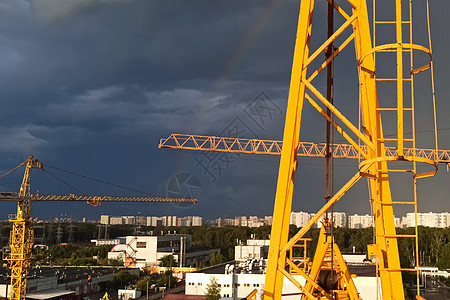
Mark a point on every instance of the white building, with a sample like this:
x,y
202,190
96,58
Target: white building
x,y
254,221
104,219
190,221
258,242
142,251
440,220
254,249
241,221
359,221
268,220
170,221
154,221
238,286
128,294
224,222
340,219
197,221
128,220
299,219
106,242
115,221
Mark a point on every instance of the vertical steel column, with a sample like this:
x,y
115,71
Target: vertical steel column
x,y
21,241
288,162
398,30
386,241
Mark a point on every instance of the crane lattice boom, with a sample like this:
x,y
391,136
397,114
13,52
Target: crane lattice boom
x,y
21,238
273,147
89,199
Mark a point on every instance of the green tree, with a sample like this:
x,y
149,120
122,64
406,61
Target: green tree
x,y
167,279
216,258
167,261
200,265
212,290
121,279
115,262
143,283
444,257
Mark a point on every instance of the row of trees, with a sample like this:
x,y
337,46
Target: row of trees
x,y
434,243
143,283
72,255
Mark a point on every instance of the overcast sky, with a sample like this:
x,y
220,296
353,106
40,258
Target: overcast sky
x,y
90,86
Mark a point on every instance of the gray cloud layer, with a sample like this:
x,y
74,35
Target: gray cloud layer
x,y
91,85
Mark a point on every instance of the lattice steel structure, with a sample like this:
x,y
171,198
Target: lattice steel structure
x,y
21,237
272,147
379,157
375,165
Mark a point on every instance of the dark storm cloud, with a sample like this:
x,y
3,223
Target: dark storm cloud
x,y
91,86
88,82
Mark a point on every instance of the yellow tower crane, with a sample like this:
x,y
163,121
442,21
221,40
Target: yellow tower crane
x,y
379,157
273,147
21,238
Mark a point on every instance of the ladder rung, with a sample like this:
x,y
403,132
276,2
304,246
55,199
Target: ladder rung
x,y
392,109
394,140
393,50
403,202
392,79
398,270
398,236
392,22
396,171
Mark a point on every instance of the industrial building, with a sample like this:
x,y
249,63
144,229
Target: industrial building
x,y
253,249
246,273
67,283
145,251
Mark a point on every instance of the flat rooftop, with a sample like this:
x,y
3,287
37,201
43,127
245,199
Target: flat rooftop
x,y
360,270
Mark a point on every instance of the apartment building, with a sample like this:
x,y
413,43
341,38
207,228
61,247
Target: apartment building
x,y
439,220
172,221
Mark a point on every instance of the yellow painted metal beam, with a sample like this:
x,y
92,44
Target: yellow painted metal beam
x,y
288,162
272,147
374,154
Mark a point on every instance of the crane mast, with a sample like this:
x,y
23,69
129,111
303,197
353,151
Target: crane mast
x,y
374,164
21,237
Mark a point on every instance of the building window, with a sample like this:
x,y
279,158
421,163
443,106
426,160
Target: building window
x,y
141,244
246,284
199,284
256,285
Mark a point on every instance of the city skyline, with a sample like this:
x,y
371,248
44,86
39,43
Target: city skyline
x,y
299,219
